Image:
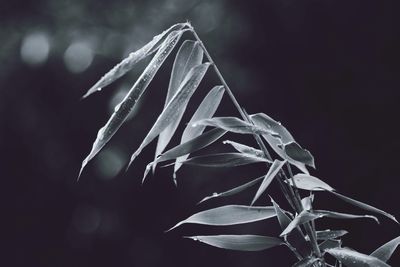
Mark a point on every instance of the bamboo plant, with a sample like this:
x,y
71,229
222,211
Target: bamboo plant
x,y
289,169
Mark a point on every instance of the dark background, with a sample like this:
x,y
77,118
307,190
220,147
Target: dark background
x,y
328,70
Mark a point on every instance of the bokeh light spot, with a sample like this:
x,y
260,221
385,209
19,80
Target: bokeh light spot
x,y
78,57
35,48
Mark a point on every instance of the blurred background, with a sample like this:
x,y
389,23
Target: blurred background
x,y
328,70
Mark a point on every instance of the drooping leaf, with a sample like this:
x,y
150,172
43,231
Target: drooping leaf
x,y
296,237
330,243
190,146
363,205
175,106
330,234
385,251
352,258
189,55
306,262
307,216
224,160
297,153
233,191
232,124
230,215
267,123
239,242
272,172
205,110
311,183
123,109
128,63
245,149
307,202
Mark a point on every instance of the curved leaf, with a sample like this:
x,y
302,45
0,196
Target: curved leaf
x,y
385,251
127,64
233,191
272,172
352,258
363,205
307,202
123,109
245,149
265,122
205,110
230,215
297,153
239,242
311,183
223,160
175,106
189,55
330,243
330,234
233,124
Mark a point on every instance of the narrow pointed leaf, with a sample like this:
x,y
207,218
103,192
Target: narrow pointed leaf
x,y
232,124
385,251
224,160
352,258
311,183
239,242
205,110
306,262
307,202
297,153
233,191
230,215
189,55
330,234
363,205
178,103
329,244
307,216
128,63
267,123
272,172
124,108
245,149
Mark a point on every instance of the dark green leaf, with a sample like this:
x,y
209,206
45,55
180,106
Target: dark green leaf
x,y
175,106
224,160
272,172
205,110
363,205
245,149
190,55
123,109
296,152
230,215
127,64
385,251
330,234
235,190
308,182
352,258
239,242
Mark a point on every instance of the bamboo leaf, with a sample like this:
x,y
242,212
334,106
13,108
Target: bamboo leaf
x,y
223,160
352,258
297,153
363,205
311,183
239,242
385,251
128,63
330,234
272,172
205,110
330,243
265,122
190,55
178,103
306,262
233,191
123,109
245,149
233,124
307,202
307,216
229,215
